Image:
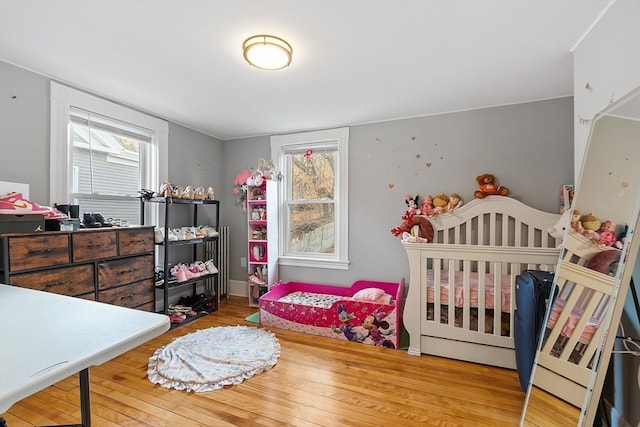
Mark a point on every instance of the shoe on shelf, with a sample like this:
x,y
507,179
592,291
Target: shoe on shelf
x,y
90,221
189,193
166,190
15,204
158,235
179,273
55,214
207,230
211,267
99,218
210,193
200,193
145,194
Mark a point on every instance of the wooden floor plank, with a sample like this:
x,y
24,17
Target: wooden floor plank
x,y
317,382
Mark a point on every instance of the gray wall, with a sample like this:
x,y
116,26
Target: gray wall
x,y
194,158
24,130
529,147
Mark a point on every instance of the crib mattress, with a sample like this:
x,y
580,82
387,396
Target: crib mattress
x,y
474,293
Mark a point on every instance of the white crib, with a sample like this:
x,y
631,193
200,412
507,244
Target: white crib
x,y
477,252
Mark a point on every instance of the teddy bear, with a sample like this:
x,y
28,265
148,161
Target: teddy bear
x,y
488,187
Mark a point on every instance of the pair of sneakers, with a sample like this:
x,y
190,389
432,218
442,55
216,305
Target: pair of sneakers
x,y
14,203
91,220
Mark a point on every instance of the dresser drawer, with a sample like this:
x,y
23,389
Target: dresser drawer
x,y
37,251
72,281
123,271
132,295
88,245
135,241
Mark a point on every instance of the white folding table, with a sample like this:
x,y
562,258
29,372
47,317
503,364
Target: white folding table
x,y
45,338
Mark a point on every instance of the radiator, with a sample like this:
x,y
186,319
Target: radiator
x,y
222,248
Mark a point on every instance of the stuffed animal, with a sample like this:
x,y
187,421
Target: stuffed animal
x,y
416,226
621,238
591,225
255,179
608,233
455,201
557,231
604,262
269,171
576,225
426,207
412,204
488,187
440,202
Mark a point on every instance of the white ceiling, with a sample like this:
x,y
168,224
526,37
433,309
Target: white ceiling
x,y
354,61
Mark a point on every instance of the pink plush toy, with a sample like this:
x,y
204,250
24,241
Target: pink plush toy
x,y
608,233
427,207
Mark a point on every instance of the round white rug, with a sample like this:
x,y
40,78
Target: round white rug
x,y
209,359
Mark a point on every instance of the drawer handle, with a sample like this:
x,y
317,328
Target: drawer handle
x,y
97,245
41,251
137,241
51,285
127,297
127,271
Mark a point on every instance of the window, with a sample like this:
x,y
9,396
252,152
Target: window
x,y
102,153
313,198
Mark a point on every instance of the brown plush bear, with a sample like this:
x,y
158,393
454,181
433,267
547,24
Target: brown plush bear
x,y
488,187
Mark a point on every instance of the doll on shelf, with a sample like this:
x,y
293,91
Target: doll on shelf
x,y
607,233
412,204
427,208
455,201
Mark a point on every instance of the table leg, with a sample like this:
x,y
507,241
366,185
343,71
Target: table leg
x,y
85,398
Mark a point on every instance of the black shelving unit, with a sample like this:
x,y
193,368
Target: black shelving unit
x,y
169,204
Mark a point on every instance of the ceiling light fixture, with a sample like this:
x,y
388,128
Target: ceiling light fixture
x,y
267,52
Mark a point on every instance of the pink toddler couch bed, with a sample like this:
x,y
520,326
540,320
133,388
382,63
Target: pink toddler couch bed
x,y
367,312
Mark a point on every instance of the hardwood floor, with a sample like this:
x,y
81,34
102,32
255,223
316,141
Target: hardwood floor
x,y
316,382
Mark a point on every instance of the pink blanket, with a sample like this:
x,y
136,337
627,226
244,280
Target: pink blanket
x,y
505,287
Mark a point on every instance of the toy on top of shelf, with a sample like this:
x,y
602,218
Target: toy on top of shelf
x,y
575,223
412,203
455,201
591,225
427,207
608,233
488,187
440,202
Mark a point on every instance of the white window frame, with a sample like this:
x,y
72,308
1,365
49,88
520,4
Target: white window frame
x,y
154,172
338,138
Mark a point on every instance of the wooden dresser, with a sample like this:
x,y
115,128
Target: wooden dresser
x,y
111,265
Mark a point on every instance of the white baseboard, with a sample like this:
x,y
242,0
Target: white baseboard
x,y
238,288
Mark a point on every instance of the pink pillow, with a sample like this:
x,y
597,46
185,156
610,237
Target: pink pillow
x,y
368,294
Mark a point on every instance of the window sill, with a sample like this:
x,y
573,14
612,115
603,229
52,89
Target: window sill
x,y
314,263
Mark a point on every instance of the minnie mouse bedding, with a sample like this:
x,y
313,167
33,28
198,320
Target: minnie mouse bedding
x,y
367,312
